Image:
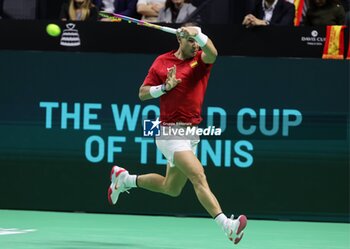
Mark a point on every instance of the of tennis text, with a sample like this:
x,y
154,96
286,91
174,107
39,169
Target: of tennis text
x,y
113,131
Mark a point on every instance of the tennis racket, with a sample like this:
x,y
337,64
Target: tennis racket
x,y
117,17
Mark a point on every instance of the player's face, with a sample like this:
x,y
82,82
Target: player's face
x,y
189,47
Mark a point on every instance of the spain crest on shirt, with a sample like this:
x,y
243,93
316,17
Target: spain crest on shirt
x,y
194,63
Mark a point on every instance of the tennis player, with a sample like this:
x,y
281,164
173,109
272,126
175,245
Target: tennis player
x,y
180,79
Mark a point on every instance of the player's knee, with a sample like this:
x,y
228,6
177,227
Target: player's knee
x,y
199,179
174,192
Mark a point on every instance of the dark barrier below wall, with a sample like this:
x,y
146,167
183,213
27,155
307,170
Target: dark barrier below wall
x,y
300,42
283,155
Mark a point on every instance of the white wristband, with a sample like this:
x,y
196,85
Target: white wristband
x,y
156,91
201,39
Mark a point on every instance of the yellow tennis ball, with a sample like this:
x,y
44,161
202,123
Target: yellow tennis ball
x,y
53,29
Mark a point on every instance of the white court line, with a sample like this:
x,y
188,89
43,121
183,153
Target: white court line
x,y
11,231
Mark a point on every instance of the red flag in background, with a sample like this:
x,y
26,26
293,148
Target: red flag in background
x,y
334,44
299,5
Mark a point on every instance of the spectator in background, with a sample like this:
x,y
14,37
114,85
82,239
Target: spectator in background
x,y
176,11
271,12
123,7
1,11
108,5
324,12
149,9
79,10
346,5
97,3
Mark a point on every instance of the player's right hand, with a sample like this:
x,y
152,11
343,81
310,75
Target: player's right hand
x,y
187,32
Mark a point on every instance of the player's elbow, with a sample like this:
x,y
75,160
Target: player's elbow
x,y
142,94
142,98
210,59
214,54
210,54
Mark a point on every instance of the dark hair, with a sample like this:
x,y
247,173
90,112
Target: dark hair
x,y
189,24
170,4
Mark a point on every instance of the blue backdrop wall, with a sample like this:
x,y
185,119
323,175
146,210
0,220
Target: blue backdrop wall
x,y
66,118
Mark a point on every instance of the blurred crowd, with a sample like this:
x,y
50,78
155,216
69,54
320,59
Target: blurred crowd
x,y
256,12
283,12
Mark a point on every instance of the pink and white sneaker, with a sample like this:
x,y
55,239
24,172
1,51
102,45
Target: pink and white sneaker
x,y
117,186
235,228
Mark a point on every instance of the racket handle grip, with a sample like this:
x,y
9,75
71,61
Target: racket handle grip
x,y
169,30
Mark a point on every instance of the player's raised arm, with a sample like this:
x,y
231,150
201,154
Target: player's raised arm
x,y
209,51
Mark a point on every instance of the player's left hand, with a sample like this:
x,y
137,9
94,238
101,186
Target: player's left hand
x,y
171,80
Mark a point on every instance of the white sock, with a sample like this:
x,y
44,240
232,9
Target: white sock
x,y
221,219
130,181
